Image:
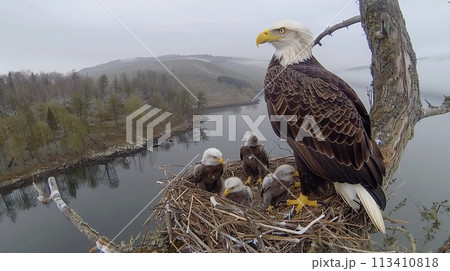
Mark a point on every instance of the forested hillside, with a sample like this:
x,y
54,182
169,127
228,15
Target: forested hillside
x,y
45,117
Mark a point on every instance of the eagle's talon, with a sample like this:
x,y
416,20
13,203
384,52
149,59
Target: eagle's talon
x,y
275,185
259,181
255,161
269,209
248,181
300,202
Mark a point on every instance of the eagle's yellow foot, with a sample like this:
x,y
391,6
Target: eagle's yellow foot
x,y
259,181
297,185
248,181
269,209
300,202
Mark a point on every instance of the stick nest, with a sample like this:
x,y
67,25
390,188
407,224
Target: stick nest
x,y
190,221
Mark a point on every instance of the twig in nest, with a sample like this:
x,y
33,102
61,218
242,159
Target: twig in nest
x,y
169,223
251,224
300,230
189,214
200,241
242,244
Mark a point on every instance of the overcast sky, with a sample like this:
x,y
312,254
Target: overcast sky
x,y
55,35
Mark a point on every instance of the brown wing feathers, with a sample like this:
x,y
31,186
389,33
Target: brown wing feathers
x,y
255,160
347,154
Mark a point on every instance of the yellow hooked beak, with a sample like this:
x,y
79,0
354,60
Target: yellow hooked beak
x,y
296,174
227,191
220,160
266,36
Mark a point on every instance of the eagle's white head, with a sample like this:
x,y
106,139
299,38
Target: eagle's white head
x,y
286,173
212,157
292,40
251,140
233,185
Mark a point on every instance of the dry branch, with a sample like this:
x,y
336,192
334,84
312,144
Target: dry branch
x,y
101,242
445,247
433,110
410,237
330,30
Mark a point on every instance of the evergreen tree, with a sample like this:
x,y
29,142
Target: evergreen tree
x,y
101,111
26,124
186,103
103,83
126,86
114,103
202,100
79,104
116,84
2,92
52,122
44,133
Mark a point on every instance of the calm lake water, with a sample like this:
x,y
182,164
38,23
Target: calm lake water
x,y
109,196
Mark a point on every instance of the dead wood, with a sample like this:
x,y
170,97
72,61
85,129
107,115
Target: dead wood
x,y
199,221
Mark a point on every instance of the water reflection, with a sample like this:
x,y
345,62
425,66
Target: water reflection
x,y
19,199
109,195
69,182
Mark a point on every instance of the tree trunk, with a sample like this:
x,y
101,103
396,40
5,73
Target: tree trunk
x,y
397,107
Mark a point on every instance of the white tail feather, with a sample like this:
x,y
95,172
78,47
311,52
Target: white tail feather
x,y
348,193
371,207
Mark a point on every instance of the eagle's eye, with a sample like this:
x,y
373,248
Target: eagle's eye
x,y
281,30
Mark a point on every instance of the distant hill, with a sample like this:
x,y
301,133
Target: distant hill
x,y
197,72
206,63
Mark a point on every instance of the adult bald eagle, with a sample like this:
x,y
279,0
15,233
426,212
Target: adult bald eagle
x,y
255,161
237,191
208,174
275,186
344,152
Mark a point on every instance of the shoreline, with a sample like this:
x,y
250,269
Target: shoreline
x,y
92,157
98,157
219,106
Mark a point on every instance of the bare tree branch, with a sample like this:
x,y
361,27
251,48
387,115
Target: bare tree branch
x,y
101,242
433,110
330,30
445,246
